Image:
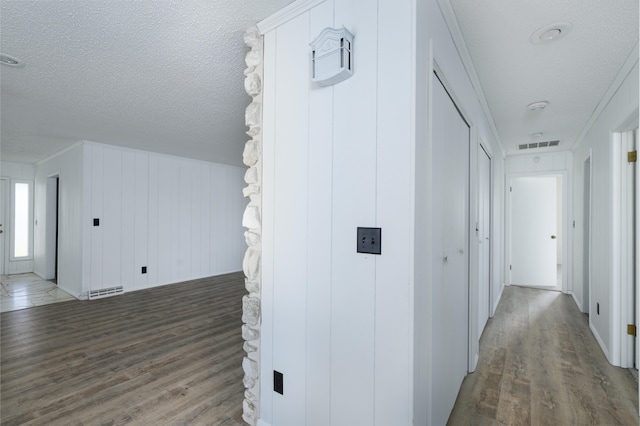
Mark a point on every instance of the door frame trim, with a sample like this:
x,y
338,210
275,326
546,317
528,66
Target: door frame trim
x,y
566,236
482,147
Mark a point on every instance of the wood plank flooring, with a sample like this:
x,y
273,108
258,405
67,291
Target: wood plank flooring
x,y
170,355
540,365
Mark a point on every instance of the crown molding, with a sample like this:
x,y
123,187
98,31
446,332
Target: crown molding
x,y
458,40
286,14
624,71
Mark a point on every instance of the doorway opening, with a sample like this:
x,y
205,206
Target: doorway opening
x,y
536,231
586,237
52,225
626,192
4,250
484,237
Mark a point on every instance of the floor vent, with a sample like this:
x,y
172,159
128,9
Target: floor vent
x,y
105,292
538,144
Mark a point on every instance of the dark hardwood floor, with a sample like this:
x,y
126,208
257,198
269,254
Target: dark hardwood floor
x,y
169,355
540,365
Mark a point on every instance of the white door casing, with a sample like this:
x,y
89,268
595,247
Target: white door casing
x,y
3,224
484,233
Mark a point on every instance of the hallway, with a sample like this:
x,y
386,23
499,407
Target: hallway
x,y
540,364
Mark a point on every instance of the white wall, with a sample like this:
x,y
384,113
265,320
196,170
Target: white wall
x,y
10,170
180,218
68,165
340,325
599,139
336,323
434,43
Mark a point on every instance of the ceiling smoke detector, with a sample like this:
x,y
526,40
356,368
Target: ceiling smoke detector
x,y
537,106
10,61
550,33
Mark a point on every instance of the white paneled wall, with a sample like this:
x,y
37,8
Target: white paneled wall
x,y
337,323
599,146
180,218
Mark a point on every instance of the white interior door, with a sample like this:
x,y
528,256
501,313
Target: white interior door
x,y
450,248
534,231
484,233
3,227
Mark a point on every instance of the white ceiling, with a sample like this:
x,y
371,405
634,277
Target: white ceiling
x,y
166,76
157,75
571,73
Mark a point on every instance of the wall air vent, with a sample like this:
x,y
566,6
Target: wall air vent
x,y
538,144
105,292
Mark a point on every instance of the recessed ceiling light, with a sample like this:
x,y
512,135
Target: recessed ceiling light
x,y
537,106
10,60
550,33
537,135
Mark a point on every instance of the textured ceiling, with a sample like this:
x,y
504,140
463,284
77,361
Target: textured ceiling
x,y
164,76
572,73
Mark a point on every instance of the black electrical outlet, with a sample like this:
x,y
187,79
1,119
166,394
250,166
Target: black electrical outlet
x,y
96,221
598,308
369,240
278,382
144,269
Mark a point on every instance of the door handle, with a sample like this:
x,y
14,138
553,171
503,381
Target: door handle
x,y
553,237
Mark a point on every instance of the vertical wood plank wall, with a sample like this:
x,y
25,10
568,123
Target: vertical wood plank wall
x,y
180,218
337,323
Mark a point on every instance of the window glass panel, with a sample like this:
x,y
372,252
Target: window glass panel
x,y
21,215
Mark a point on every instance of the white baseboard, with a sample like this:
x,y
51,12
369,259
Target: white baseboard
x,y
496,301
578,304
600,342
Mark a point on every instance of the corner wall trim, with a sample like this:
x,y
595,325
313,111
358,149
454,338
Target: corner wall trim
x,y
252,220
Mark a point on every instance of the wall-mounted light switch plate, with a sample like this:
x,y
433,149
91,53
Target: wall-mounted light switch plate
x,y
369,240
96,221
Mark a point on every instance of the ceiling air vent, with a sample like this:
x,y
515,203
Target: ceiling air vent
x,y
538,144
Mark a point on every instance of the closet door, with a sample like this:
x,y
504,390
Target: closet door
x,y
451,252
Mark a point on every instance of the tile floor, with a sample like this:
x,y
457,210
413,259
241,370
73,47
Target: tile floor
x,y
23,291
